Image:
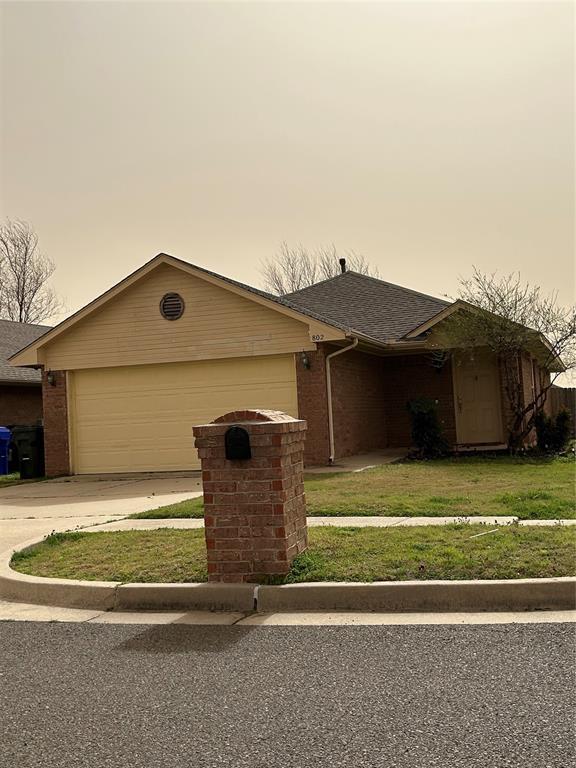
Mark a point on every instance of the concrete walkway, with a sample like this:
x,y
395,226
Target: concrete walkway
x,y
361,461
354,522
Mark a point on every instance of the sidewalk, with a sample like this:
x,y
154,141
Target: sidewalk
x,y
353,522
46,613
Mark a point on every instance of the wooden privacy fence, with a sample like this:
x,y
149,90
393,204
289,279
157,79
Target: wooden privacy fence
x,y
563,398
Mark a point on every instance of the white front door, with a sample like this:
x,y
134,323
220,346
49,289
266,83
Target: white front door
x,y
477,398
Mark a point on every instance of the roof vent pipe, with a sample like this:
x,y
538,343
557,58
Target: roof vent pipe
x,y
342,265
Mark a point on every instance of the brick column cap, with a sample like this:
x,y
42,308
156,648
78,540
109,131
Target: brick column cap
x,y
256,421
259,415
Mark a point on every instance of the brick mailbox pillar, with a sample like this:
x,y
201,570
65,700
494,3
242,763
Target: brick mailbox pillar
x,y
254,508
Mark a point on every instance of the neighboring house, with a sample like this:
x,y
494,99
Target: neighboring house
x,y
20,388
174,345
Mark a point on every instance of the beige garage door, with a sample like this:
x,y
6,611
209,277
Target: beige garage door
x,y
140,418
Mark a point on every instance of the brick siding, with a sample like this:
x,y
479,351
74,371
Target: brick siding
x,y
56,448
544,381
358,403
313,405
369,400
20,405
505,403
530,373
409,377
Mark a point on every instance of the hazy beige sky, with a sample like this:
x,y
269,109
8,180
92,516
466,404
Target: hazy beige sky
x,y
427,136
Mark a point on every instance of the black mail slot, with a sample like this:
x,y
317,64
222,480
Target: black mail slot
x,y
237,444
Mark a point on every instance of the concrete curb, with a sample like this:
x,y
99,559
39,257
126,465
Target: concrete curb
x,y
197,597
400,596
114,595
419,596
61,592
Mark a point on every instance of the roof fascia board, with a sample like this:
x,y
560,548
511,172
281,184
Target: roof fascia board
x,y
442,315
393,349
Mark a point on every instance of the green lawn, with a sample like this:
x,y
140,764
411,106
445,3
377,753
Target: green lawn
x,y
11,479
14,479
527,488
335,554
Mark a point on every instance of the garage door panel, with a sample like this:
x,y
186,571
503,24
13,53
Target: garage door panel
x,y
140,418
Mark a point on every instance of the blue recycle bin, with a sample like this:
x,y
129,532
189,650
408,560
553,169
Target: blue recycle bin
x,y
5,435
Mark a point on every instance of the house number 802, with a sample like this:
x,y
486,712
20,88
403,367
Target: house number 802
x,y
317,336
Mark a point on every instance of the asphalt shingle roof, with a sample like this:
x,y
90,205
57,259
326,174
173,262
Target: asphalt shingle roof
x,y
372,307
13,337
354,302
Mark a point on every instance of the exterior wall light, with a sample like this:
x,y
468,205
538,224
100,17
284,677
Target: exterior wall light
x,y
305,361
51,379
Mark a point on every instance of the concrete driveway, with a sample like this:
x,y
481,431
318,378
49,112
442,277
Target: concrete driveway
x,y
36,509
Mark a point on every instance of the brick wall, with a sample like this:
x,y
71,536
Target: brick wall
x,y
358,403
369,398
313,406
20,405
507,417
254,509
56,448
528,390
530,374
544,381
409,377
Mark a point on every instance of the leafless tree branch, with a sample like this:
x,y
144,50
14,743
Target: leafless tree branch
x,y
296,267
25,295
511,318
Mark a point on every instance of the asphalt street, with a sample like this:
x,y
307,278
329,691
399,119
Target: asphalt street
x,y
109,696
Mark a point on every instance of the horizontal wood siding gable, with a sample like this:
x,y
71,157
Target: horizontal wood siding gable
x,y
216,323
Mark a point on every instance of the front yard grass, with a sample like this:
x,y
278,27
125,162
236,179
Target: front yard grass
x,y
14,479
528,488
335,554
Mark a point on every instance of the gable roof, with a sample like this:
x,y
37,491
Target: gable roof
x,y
13,337
381,310
28,355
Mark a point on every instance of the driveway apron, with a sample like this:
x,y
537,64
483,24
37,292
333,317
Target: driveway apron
x,y
36,509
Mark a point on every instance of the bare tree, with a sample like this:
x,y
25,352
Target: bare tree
x,y
296,267
25,295
512,318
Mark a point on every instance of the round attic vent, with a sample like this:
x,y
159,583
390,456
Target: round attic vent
x,y
172,306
